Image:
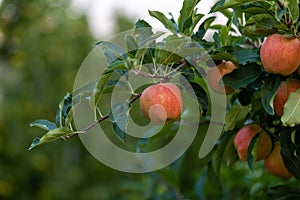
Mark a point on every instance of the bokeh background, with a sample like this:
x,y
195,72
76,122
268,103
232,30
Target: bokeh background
x,y
42,45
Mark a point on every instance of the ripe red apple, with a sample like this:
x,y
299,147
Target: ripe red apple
x,y
283,93
215,74
275,165
161,103
280,54
243,138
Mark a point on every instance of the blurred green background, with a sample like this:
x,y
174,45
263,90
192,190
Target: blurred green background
x,y
42,45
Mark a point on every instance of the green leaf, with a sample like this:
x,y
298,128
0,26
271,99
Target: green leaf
x,y
119,117
201,96
293,7
143,31
112,84
43,124
290,159
185,14
252,150
49,136
218,155
117,65
246,55
236,114
63,109
225,37
291,114
212,177
98,92
131,44
283,192
163,19
233,4
112,52
224,56
263,24
203,28
268,92
242,76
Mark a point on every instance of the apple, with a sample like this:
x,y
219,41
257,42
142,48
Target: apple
x,y
215,74
283,92
243,138
280,54
275,165
161,103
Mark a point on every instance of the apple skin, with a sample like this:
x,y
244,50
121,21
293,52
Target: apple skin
x,y
275,165
280,54
243,138
283,93
215,74
161,103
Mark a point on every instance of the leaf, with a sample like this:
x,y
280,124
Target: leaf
x,y
212,177
49,136
246,55
112,52
116,65
233,4
185,13
242,76
218,155
63,109
163,19
263,24
43,124
201,96
245,95
268,92
291,113
119,117
293,7
98,92
203,28
236,114
291,161
224,56
283,192
131,44
143,31
252,150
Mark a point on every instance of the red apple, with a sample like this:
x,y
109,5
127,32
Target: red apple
x,y
283,93
243,138
280,54
275,165
215,74
161,103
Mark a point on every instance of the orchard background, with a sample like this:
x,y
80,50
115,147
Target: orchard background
x,y
43,42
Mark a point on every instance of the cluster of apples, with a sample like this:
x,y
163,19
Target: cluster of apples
x,y
162,103
279,55
266,151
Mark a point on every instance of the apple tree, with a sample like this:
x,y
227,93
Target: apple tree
x,y
253,63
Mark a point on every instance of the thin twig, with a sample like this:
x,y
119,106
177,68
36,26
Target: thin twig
x,y
166,77
86,129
